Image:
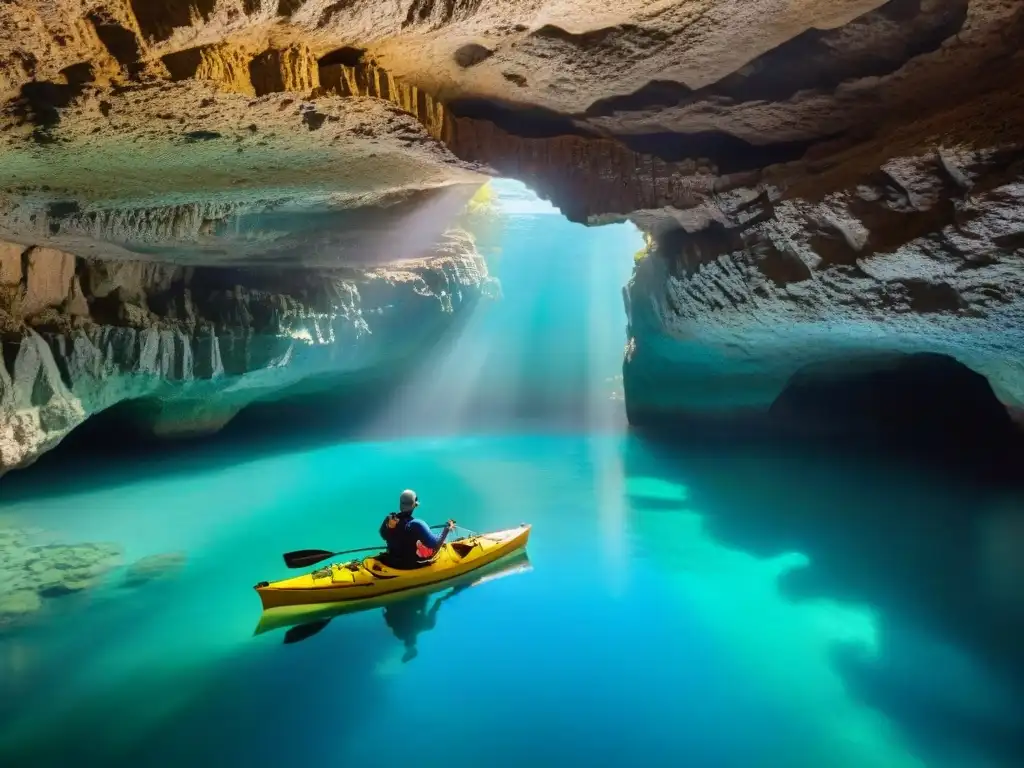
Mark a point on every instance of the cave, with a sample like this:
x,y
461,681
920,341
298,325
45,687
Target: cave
x,y
658,368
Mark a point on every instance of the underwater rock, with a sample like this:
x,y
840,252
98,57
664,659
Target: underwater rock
x,y
31,574
55,570
16,607
153,568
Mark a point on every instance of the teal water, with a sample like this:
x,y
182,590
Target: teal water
x,y
696,604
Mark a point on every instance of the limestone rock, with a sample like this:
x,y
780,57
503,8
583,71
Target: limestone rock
x,y
10,263
190,347
900,262
49,278
15,607
822,178
32,574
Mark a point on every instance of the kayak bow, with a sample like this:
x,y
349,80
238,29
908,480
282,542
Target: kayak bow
x,y
369,578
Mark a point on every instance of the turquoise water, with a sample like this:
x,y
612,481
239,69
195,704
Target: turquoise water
x,y
700,605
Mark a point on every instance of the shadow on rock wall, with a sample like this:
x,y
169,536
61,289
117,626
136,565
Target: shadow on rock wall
x,y
926,407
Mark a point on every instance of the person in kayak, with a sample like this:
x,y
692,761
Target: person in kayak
x,y
409,539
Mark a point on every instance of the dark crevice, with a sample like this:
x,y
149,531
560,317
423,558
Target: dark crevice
x,y
58,209
347,56
595,38
11,346
79,74
40,103
158,18
875,44
729,153
471,54
525,122
121,43
332,10
60,359
286,8
183,65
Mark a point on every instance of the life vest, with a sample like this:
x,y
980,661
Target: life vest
x,y
400,541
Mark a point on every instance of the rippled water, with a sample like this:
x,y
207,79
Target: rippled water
x,y
697,605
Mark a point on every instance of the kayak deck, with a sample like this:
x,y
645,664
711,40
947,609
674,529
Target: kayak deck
x,y
370,578
286,616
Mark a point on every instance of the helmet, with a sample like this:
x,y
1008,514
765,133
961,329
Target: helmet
x,y
408,501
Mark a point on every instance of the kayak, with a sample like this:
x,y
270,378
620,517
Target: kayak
x,y
369,578
292,615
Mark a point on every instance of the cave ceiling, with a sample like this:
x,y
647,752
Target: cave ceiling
x,y
261,130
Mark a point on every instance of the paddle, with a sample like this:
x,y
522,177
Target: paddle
x,y
303,558
302,631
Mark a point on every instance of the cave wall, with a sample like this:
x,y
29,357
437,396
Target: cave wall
x,y
922,256
197,344
820,180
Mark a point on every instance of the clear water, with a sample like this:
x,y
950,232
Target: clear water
x,y
687,606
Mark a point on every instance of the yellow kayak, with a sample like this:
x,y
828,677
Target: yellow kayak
x,y
368,579
291,615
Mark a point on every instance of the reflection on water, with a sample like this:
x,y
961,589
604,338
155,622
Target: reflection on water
x,y
405,612
409,617
727,609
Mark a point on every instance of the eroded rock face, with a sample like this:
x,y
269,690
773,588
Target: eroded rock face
x,y
183,172
193,346
923,256
821,178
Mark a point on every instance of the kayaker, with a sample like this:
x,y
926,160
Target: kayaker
x,y
409,539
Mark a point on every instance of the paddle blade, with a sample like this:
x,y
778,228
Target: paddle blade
x,y
302,631
304,557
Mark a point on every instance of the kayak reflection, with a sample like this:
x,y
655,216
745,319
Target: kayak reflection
x,y
407,613
408,618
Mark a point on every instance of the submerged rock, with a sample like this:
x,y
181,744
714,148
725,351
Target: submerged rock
x,y
32,574
55,570
16,607
153,568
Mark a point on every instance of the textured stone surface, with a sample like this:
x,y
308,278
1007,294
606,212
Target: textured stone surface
x,y
184,172
904,261
193,346
154,568
822,178
32,572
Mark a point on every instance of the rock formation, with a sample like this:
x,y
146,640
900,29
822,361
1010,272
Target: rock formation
x,y
817,178
37,570
191,346
923,255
